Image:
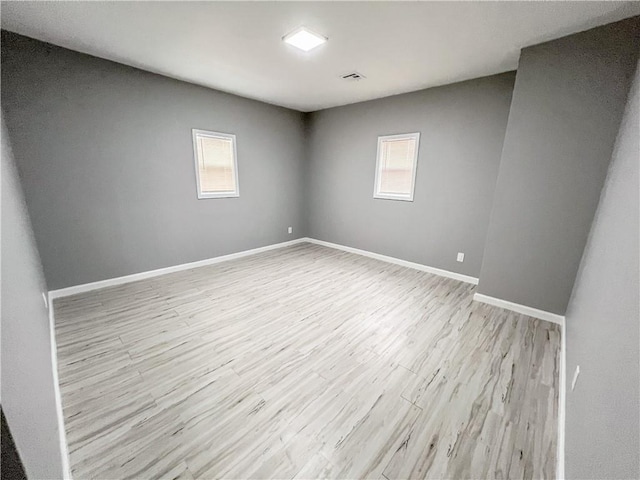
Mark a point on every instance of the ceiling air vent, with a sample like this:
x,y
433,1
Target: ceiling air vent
x,y
353,76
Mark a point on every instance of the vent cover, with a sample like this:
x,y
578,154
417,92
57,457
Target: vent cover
x,y
353,76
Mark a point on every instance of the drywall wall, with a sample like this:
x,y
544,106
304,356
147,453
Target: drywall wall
x,y
603,324
567,103
461,129
27,389
105,155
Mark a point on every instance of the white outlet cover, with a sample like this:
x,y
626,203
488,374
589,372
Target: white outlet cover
x,y
460,257
575,377
290,229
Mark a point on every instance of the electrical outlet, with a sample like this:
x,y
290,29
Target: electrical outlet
x,y
460,257
290,229
46,301
575,377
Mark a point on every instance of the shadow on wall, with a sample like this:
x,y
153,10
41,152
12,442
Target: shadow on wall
x,y
12,468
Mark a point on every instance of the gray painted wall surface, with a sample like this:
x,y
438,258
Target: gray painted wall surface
x,y
105,155
28,398
461,129
603,324
567,103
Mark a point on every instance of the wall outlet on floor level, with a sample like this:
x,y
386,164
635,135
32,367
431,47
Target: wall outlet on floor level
x,y
290,229
575,377
46,301
460,257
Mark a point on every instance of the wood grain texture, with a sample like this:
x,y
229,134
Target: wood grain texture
x,y
305,362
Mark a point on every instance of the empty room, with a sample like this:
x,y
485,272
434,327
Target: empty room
x,y
320,240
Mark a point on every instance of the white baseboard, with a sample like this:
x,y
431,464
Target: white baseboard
x,y
87,287
398,261
516,307
62,435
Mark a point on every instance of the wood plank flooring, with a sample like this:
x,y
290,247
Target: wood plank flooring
x,y
304,362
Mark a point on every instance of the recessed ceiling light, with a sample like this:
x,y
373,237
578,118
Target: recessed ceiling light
x,y
304,39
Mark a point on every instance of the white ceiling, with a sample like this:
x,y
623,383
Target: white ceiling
x,y
236,47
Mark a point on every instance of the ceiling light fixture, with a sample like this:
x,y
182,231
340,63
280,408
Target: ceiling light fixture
x,y
304,39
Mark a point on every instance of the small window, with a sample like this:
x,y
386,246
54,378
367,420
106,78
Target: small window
x,y
216,164
396,166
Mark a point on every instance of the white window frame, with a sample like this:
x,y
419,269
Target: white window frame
x,y
227,136
376,187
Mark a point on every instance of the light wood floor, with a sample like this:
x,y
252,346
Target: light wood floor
x,y
305,362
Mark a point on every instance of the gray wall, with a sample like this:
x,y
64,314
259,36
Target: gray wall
x,y
461,129
28,398
567,103
603,324
105,156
